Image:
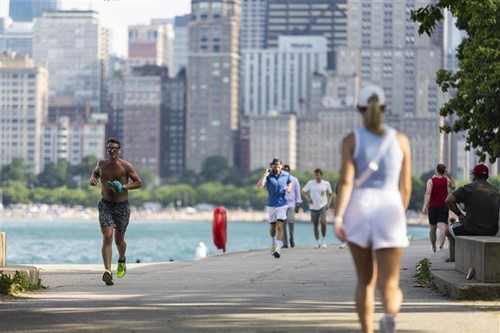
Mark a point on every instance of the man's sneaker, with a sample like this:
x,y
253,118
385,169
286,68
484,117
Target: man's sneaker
x,y
342,246
324,245
276,254
387,324
273,248
107,277
122,269
317,246
292,244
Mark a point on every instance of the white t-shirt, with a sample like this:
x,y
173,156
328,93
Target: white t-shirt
x,y
319,193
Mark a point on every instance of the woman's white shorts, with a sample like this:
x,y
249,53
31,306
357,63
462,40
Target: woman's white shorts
x,y
375,218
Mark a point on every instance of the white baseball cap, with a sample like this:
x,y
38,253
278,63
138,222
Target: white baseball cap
x,y
367,92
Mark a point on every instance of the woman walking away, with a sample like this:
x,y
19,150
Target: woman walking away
x,y
434,204
374,192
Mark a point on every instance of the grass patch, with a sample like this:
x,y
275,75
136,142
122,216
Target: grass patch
x,y
19,283
423,272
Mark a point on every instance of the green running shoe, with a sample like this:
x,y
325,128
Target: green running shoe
x,y
122,269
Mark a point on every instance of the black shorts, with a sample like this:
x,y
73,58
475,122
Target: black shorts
x,y
458,229
114,214
438,214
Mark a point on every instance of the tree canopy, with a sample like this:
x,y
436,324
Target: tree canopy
x,y
476,83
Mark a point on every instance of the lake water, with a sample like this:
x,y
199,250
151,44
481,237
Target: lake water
x,y
79,241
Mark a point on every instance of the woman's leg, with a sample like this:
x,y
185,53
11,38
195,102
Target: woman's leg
x,y
432,235
366,271
389,263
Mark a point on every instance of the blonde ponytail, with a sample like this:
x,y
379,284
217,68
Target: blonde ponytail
x,y
372,117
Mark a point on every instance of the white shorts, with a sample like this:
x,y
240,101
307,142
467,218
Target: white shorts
x,y
375,218
276,213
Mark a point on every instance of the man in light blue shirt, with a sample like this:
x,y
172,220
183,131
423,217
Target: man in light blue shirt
x,y
277,182
294,201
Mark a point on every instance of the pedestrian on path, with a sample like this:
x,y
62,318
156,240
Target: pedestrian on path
x,y
294,200
434,204
374,192
115,175
277,182
318,193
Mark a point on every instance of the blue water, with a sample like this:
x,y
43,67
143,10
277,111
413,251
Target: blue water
x,y
79,241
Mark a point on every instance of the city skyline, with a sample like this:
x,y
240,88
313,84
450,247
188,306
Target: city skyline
x,y
132,12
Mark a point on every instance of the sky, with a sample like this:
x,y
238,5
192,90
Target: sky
x,y
118,14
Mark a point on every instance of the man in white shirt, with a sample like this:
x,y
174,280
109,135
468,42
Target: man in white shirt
x,y
318,193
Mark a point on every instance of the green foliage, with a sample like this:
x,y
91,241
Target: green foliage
x,y
417,193
11,285
476,84
15,191
423,272
16,171
54,175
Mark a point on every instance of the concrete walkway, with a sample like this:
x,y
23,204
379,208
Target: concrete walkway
x,y
307,290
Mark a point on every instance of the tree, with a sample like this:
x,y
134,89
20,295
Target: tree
x,y
477,82
54,174
214,169
17,170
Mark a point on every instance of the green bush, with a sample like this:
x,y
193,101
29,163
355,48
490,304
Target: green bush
x,y
423,272
11,285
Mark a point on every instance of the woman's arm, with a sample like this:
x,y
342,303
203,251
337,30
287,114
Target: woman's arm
x,y
405,176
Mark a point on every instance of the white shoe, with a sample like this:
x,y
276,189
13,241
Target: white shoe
x,y
317,246
387,324
324,245
342,246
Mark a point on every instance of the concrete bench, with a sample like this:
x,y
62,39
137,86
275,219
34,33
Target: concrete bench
x,y
32,272
480,252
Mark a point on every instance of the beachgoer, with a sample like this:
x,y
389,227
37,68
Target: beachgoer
x,y
480,202
434,205
318,192
277,182
374,193
294,200
115,175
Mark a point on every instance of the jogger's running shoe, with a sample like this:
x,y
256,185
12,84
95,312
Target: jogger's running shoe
x,y
273,248
387,324
107,277
122,268
276,253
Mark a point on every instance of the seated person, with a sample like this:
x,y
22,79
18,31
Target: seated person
x,y
481,203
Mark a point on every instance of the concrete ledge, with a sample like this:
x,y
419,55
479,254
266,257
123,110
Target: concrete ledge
x,y
454,284
2,249
32,272
480,252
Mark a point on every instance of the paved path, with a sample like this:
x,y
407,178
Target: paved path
x,y
307,290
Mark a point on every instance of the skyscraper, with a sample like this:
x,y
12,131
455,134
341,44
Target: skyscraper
x,y
74,45
212,81
23,97
27,10
305,17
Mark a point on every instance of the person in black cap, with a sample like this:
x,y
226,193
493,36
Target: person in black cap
x,y
278,183
481,201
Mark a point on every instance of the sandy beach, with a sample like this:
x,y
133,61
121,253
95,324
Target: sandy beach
x,y
54,212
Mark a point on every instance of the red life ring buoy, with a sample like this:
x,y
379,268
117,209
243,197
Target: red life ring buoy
x,y
219,228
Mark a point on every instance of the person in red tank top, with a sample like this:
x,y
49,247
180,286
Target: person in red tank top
x,y
434,204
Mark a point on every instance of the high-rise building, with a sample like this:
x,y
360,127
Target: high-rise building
x,y
16,36
71,141
253,24
181,43
384,48
24,100
279,79
143,108
305,17
27,10
173,127
212,81
273,135
151,44
75,47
